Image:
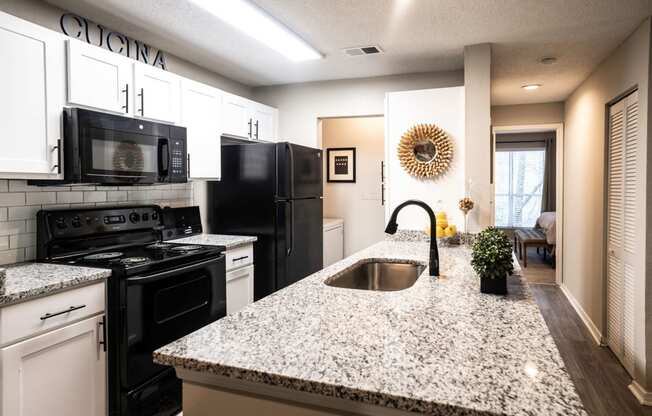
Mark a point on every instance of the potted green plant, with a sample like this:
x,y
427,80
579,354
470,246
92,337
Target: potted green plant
x,y
492,260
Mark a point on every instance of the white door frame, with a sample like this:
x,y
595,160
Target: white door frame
x,y
558,128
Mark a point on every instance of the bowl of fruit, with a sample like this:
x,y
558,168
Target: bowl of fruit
x,y
446,232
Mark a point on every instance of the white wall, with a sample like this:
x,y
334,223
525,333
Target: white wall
x,y
300,105
524,114
477,84
47,15
584,174
445,108
359,203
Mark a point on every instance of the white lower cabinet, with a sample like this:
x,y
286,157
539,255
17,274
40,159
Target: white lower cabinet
x,y
59,373
239,289
239,278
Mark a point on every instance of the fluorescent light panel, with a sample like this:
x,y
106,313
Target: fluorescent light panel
x,y
257,24
531,87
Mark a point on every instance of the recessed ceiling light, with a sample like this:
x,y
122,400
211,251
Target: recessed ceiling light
x,y
530,87
257,24
548,60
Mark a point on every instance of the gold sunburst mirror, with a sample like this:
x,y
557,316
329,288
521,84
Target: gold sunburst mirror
x,y
425,151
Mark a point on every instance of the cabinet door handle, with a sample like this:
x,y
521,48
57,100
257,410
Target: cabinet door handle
x,y
240,258
70,309
250,121
142,102
126,91
57,148
257,138
102,324
188,166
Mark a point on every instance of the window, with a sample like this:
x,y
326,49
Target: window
x,y
519,186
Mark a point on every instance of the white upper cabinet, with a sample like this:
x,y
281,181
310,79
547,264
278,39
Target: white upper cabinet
x,y
99,79
249,119
236,116
32,84
265,119
201,115
157,93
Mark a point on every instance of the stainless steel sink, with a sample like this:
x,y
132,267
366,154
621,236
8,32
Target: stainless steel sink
x,y
384,276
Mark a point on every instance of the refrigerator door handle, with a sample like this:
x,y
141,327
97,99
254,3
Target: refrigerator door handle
x,y
291,245
288,147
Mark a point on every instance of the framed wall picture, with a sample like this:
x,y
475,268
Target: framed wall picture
x,y
340,164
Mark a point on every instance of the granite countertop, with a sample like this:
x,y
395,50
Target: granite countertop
x,y
25,281
228,241
439,347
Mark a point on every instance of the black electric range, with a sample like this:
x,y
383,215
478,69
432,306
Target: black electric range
x,y
158,292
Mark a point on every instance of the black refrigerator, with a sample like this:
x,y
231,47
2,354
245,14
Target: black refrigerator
x,y
272,191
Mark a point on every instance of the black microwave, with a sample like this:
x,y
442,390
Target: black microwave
x,y
107,149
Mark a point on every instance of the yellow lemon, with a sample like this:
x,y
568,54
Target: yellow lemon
x,y
452,228
440,232
441,215
442,222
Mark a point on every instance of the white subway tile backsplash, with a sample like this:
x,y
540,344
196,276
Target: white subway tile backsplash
x,y
12,227
22,240
12,256
21,186
117,196
20,202
30,226
12,199
70,197
39,198
94,196
22,213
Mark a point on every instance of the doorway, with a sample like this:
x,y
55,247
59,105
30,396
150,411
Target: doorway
x,y
527,181
359,202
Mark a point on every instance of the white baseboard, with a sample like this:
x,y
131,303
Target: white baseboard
x,y
644,397
593,329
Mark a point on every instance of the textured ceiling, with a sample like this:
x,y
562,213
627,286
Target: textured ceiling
x,y
417,36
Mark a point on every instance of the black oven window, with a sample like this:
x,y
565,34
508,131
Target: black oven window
x,y
118,152
178,300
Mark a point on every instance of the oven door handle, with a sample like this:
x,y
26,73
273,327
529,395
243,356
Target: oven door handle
x,y
158,276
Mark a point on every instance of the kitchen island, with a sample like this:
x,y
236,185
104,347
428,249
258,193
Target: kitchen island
x,y
439,347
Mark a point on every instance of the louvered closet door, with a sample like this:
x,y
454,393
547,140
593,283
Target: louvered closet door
x,y
624,222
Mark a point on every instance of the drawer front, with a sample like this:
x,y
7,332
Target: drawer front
x,y
238,257
239,289
29,318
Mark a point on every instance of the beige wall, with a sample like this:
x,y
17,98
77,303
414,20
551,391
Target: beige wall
x,y
477,86
584,154
359,203
517,115
300,105
47,15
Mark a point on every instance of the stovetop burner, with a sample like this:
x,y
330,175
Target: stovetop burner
x,y
158,246
185,248
104,256
134,260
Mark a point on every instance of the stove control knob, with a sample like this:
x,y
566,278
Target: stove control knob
x,y
134,217
154,215
76,222
61,223
145,216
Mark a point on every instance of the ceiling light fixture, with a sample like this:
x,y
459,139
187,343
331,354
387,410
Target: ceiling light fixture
x,y
548,60
530,87
259,25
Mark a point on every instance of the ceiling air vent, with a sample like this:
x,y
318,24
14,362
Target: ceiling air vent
x,y
363,50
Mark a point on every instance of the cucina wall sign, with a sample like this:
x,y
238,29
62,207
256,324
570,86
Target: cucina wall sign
x,y
78,27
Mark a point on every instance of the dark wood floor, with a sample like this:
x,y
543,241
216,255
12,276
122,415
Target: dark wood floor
x,y
598,376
